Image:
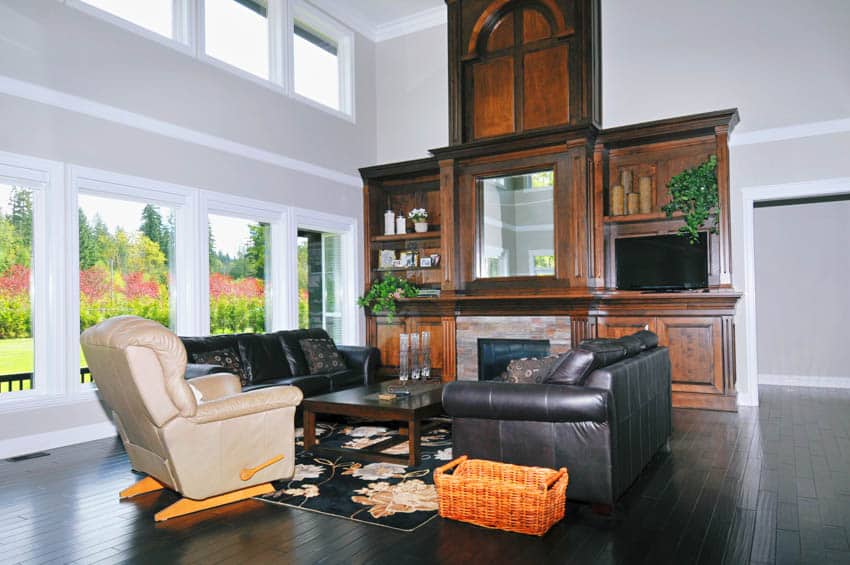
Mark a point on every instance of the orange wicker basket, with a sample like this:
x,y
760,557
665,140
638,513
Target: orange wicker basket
x,y
528,500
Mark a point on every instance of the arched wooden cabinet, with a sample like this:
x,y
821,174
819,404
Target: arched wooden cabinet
x,y
524,86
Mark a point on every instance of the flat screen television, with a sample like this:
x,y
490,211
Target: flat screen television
x,y
661,262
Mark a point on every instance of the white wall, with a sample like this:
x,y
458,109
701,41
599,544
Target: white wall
x,y
802,269
412,94
59,66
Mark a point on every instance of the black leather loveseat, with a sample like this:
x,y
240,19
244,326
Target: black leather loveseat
x,y
604,429
263,360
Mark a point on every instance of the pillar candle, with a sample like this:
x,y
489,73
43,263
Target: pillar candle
x,y
617,200
645,188
633,202
626,180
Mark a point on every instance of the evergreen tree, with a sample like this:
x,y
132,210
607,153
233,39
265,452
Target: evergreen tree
x,y
256,252
152,226
20,201
88,242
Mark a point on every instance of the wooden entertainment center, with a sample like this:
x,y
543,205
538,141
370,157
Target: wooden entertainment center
x,y
525,106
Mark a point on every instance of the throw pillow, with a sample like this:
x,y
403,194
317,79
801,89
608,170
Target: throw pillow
x,y
526,371
605,351
571,368
226,358
322,355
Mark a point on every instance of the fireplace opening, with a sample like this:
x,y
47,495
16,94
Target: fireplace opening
x,y
495,354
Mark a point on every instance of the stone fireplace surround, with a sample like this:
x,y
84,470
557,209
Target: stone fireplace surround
x,y
469,328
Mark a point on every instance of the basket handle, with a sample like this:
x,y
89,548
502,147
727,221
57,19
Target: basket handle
x,y
450,465
554,479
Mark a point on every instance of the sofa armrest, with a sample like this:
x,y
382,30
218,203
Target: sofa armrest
x,y
526,402
195,370
251,402
364,360
218,385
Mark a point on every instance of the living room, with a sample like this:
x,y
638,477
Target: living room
x,y
227,166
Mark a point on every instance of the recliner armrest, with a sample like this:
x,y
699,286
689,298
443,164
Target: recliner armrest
x,y
525,402
218,385
251,402
195,370
364,360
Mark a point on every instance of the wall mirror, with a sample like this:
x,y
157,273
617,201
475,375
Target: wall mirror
x,y
516,233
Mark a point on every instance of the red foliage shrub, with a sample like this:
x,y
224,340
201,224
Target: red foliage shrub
x,y
94,282
15,281
224,285
135,286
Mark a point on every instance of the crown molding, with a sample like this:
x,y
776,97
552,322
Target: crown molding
x,y
58,99
347,13
784,133
415,22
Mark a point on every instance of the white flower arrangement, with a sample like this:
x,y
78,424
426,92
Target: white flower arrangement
x,y
418,215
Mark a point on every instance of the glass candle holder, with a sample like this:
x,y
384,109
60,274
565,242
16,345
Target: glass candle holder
x,y
415,367
403,357
426,355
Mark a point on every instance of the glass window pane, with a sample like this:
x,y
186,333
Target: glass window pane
x,y
320,282
316,66
16,338
237,32
238,257
516,230
155,15
126,266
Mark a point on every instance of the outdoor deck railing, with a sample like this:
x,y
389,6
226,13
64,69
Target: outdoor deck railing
x,y
23,381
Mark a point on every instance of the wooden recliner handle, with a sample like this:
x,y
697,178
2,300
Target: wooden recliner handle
x,y
247,474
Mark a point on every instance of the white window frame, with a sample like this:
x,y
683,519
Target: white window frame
x,y
117,186
189,39
353,320
48,302
219,204
344,37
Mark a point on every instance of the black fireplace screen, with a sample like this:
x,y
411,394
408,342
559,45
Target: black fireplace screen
x,y
495,354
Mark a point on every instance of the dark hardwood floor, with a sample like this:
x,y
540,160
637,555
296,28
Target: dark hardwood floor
x,y
766,485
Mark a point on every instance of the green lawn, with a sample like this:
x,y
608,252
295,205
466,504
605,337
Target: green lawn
x,y
16,357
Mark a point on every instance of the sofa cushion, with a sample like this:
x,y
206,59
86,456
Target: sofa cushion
x,y
342,380
648,338
310,385
530,370
228,358
321,355
571,368
263,358
633,345
290,340
605,351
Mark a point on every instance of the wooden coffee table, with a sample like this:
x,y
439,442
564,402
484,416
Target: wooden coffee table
x,y
363,402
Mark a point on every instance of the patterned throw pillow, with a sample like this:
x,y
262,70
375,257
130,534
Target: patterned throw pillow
x,y
527,371
322,355
226,358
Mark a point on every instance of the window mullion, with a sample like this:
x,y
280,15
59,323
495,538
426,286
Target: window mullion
x,y
278,50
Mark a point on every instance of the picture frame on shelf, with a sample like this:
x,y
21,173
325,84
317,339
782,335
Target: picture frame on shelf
x,y
435,259
386,259
425,262
398,264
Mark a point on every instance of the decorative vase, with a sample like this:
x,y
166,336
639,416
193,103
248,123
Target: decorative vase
x,y
626,180
389,222
617,201
645,188
420,227
633,202
401,225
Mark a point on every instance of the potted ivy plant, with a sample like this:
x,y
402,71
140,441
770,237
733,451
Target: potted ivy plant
x,y
383,294
693,192
419,216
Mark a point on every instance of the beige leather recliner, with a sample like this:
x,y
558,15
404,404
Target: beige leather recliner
x,y
225,447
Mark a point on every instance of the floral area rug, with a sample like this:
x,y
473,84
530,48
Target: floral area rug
x,y
384,494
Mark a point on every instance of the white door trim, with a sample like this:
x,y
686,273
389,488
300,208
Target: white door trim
x,y
748,383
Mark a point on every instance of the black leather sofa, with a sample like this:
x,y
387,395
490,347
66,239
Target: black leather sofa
x,y
277,359
603,430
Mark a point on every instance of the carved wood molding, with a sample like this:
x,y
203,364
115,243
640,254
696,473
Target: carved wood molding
x,y
494,13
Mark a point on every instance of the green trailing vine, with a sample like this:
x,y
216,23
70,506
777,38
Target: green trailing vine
x,y
694,193
383,294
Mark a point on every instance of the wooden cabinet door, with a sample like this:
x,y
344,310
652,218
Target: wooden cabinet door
x,y
695,353
435,327
387,340
618,326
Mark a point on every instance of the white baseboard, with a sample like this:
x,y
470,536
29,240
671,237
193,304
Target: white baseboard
x,y
803,380
51,440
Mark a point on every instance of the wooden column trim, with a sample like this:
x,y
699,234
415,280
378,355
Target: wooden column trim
x,y
721,134
595,211
449,348
582,328
448,239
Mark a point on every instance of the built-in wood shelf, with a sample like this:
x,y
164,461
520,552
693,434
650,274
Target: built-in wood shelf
x,y
396,269
651,217
407,236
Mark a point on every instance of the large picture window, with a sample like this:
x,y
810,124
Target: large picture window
x,y
17,361
320,282
238,258
125,252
